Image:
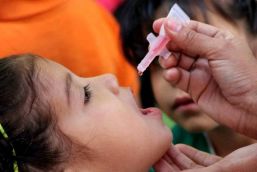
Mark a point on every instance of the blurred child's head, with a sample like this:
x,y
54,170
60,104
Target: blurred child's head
x,y
136,19
56,121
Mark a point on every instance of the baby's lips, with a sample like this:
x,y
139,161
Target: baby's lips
x,y
151,111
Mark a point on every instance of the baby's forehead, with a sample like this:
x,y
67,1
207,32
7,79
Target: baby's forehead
x,y
51,67
49,73
51,83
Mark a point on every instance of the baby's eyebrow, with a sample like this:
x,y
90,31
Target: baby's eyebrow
x,y
68,81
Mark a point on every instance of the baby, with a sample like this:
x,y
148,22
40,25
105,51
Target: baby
x,y
54,120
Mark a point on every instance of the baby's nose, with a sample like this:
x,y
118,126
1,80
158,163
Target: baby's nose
x,y
111,82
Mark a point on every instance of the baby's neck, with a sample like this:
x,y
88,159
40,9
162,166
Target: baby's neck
x,y
97,166
225,140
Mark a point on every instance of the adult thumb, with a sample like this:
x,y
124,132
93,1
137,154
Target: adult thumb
x,y
192,38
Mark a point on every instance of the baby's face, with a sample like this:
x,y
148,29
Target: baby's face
x,y
100,115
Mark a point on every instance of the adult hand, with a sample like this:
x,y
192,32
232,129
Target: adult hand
x,y
217,69
182,158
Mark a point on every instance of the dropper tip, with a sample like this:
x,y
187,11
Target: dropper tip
x,y
140,73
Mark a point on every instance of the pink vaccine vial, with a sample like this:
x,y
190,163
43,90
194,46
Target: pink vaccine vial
x,y
157,45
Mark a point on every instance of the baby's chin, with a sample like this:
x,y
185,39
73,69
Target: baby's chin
x,y
165,146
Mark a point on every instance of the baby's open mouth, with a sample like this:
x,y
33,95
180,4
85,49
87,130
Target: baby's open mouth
x,y
151,111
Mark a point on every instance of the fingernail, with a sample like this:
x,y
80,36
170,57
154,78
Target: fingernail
x,y
176,55
174,25
161,62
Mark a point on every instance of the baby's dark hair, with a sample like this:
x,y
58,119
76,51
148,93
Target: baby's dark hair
x,y
34,141
136,18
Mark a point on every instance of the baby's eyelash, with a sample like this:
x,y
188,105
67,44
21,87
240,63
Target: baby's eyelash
x,y
87,94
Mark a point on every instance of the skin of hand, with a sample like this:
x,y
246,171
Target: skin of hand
x,y
217,69
183,158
